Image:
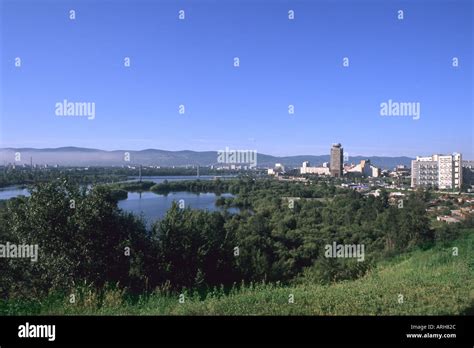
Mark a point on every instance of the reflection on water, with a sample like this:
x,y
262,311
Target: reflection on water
x,y
150,205
154,206
12,191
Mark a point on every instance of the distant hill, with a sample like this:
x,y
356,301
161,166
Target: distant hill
x,y
76,156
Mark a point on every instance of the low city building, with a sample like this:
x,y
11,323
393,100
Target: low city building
x,y
307,169
278,169
365,169
447,219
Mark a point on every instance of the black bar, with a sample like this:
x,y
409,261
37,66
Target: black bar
x,y
241,330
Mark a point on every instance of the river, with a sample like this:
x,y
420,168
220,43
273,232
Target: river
x,y
150,205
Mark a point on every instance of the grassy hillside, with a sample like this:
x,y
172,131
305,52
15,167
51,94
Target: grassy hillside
x,y
432,282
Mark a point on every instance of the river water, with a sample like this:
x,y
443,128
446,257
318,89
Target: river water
x,y
150,205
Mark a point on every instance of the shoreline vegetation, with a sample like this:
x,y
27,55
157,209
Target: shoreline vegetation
x,y
93,175
251,262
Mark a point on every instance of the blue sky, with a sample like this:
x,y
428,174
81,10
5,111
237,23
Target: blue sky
x,y
282,62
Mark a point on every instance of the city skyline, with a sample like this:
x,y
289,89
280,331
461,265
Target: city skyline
x,y
282,63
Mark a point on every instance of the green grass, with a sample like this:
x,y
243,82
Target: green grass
x,y
432,282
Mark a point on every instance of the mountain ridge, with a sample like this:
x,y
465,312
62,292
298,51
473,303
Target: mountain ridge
x,y
81,156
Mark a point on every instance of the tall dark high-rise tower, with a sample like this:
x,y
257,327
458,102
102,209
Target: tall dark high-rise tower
x,y
336,160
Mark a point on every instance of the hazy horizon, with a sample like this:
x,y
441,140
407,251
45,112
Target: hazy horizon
x,y
186,149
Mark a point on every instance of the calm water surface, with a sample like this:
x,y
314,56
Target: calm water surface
x,y
154,206
150,205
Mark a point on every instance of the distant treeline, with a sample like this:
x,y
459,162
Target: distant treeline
x,y
133,186
28,176
217,186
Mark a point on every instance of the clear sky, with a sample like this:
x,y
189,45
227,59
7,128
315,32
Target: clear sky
x,y
282,62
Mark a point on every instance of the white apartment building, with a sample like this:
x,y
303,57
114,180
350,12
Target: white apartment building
x,y
438,171
307,169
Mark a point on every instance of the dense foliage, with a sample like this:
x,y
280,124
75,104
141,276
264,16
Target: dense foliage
x,y
92,175
26,176
279,234
443,288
